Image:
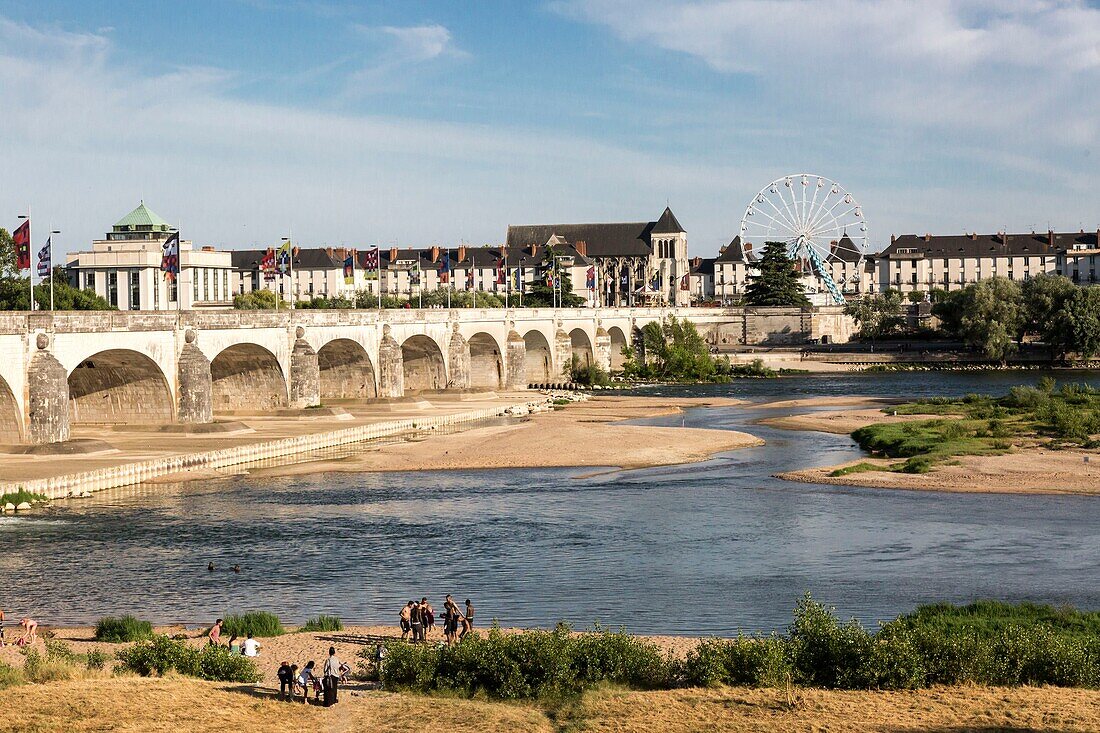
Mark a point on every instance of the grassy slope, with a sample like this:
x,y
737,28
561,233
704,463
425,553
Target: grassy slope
x,y
175,704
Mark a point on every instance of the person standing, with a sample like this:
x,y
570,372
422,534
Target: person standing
x,y
215,634
467,619
427,615
2,642
330,680
417,623
286,681
406,621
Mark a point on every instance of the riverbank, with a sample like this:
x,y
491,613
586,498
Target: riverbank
x,y
169,705
1027,469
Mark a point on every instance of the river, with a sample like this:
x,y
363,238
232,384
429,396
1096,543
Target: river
x,y
708,548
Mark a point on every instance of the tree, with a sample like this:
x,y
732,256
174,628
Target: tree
x,y
991,316
541,295
7,255
1076,325
775,282
947,307
1043,298
15,295
876,315
672,349
257,300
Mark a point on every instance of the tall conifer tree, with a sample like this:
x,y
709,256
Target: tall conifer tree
x,y
776,282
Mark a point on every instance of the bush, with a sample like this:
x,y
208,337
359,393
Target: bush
x,y
257,623
753,662
531,664
58,662
97,659
160,655
10,676
22,495
588,374
116,630
323,623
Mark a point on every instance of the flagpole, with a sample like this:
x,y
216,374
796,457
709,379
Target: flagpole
x,y
419,282
290,251
50,268
447,254
378,274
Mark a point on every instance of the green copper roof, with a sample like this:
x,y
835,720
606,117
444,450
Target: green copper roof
x,y
141,217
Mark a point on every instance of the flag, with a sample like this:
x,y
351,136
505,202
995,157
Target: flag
x,y
501,277
370,263
445,268
590,278
170,257
267,264
414,276
624,279
470,277
655,283
283,258
516,278
349,269
684,283
21,238
44,256
549,278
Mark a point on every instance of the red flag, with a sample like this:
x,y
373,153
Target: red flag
x,y
501,280
21,237
684,284
267,264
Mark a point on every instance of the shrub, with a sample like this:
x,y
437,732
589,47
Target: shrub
x,y
160,655
22,495
96,659
323,623
257,623
531,664
10,676
754,662
116,630
58,662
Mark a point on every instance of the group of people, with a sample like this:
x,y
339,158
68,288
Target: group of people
x,y
418,620
29,635
333,674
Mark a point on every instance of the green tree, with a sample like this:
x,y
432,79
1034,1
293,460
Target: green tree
x,y
876,315
15,295
947,307
991,316
672,349
1043,298
7,255
541,295
1075,327
257,300
775,282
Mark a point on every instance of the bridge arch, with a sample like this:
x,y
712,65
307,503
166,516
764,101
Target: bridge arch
x,y
582,346
539,360
119,386
247,377
618,343
423,365
11,420
486,362
346,371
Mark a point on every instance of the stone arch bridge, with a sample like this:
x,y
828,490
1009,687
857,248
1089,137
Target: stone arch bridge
x,y
65,368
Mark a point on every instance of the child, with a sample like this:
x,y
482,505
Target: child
x,y
286,681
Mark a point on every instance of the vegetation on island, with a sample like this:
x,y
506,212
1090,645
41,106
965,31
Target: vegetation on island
x,y
982,425
673,350
775,281
985,643
323,623
257,623
995,316
21,496
161,655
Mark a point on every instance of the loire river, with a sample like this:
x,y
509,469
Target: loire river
x,y
709,548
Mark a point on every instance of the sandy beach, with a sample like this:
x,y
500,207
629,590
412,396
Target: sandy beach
x,y
582,434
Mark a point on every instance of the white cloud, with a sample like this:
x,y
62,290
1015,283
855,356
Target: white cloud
x,y
422,42
1022,69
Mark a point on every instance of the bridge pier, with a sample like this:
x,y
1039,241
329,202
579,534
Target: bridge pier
x,y
305,373
196,389
515,362
458,354
48,393
602,348
391,366
563,352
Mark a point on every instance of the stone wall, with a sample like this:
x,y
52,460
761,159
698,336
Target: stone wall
x,y
117,387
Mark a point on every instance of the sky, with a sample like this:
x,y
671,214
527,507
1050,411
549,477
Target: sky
x,y
351,123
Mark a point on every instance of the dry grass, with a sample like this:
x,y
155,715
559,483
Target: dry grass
x,y
172,705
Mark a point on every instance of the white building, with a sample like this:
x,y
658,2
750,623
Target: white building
x,y
124,268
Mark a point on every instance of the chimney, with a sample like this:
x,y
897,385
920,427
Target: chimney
x,y
328,250
393,254
207,249
974,237
532,249
435,253
461,252
892,238
927,237
341,253
1050,237
582,248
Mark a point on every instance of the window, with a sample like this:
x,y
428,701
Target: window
x,y
135,290
205,284
112,288
225,284
89,281
195,283
173,291
156,291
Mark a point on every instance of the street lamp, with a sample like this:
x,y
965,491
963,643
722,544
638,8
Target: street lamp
x,y
293,284
50,273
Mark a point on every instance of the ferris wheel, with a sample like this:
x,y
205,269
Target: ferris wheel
x,y
821,223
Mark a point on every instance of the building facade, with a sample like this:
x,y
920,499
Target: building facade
x,y
124,268
636,262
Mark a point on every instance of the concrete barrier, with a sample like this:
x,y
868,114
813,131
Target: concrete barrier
x,y
126,474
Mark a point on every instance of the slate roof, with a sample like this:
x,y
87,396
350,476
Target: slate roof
x,y
667,224
987,245
704,266
731,252
314,258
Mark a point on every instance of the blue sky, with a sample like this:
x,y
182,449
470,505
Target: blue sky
x,y
422,122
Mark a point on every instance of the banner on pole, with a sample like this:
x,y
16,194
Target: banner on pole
x,y
170,257
45,255
21,238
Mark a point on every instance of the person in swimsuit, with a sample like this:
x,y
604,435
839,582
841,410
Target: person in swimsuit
x,y
215,634
30,633
453,618
2,627
467,619
406,617
427,615
416,622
